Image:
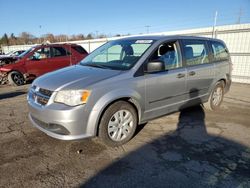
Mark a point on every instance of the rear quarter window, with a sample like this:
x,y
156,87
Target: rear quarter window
x,y
220,52
58,52
79,49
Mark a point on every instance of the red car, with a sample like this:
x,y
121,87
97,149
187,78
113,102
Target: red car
x,y
39,60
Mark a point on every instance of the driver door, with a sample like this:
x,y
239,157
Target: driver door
x,y
37,63
166,90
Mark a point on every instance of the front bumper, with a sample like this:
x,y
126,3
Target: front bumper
x,y
3,78
60,121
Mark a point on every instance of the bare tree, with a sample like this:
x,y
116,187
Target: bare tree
x,y
12,39
61,38
26,37
49,37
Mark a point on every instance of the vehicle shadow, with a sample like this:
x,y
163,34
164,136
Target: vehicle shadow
x,y
11,94
186,157
139,129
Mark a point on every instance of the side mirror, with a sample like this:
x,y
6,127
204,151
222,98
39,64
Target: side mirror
x,y
155,66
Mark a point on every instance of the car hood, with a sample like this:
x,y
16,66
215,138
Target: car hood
x,y
2,56
5,61
9,57
74,77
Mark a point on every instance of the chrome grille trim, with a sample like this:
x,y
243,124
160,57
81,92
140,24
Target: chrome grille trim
x,y
40,96
45,92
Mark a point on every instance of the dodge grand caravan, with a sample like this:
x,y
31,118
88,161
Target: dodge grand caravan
x,y
127,82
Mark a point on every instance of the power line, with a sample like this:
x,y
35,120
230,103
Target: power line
x,y
147,27
181,23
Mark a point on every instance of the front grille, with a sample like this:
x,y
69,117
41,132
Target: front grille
x,y
42,100
45,92
40,95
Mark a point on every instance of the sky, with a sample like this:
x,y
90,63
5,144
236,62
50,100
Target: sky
x,y
113,17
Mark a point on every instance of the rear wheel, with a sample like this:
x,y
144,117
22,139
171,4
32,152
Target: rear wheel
x,y
216,97
118,124
16,78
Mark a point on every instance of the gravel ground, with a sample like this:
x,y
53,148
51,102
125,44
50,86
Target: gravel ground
x,y
192,148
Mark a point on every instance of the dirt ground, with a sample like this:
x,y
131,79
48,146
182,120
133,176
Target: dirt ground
x,y
192,148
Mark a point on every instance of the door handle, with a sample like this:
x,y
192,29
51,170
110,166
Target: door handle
x,y
192,73
180,75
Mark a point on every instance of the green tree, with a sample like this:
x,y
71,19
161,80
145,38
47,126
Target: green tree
x,y
89,36
5,39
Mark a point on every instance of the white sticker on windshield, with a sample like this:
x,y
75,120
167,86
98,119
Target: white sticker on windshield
x,y
143,41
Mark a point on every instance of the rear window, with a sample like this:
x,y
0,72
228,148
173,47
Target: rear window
x,y
220,52
79,49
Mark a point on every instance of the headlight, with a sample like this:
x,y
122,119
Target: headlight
x,y
72,97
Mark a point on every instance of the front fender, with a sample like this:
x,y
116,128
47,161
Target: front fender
x,y
13,67
104,101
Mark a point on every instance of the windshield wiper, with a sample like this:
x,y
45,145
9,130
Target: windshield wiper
x,y
96,65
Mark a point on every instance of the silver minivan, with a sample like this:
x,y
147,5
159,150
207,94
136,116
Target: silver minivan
x,y
128,82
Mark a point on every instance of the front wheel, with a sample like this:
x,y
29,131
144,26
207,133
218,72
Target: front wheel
x,y
16,78
118,124
216,97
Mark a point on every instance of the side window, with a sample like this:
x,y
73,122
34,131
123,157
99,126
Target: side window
x,y
220,52
58,52
168,53
41,53
16,53
195,52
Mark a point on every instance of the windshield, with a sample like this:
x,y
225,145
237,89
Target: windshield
x,y
26,52
118,55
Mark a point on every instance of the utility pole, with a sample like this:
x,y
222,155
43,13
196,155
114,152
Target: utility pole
x,y
239,17
147,28
215,21
39,39
96,34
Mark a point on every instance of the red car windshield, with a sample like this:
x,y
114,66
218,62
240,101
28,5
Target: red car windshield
x,y
26,52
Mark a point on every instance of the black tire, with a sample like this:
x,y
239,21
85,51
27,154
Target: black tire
x,y
214,103
125,130
16,78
